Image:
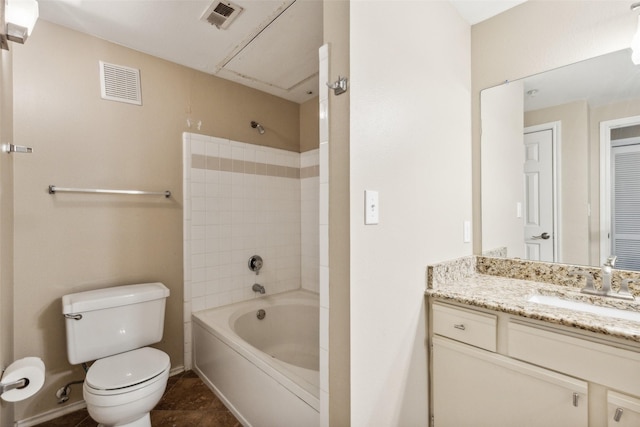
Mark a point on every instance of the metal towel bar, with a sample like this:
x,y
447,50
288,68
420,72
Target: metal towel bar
x,y
54,189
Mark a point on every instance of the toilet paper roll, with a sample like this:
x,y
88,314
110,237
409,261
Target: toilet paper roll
x,y
31,368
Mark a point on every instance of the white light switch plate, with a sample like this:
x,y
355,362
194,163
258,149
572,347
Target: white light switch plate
x,y
466,232
371,208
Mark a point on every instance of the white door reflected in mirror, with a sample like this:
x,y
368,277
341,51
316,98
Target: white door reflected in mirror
x,y
539,196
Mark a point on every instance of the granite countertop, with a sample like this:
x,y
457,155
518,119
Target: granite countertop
x,y
459,281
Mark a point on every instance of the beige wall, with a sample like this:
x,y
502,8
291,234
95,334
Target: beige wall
x,y
72,242
502,154
410,121
537,36
336,35
309,128
574,176
6,226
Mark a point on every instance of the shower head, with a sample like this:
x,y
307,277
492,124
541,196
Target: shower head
x,y
258,126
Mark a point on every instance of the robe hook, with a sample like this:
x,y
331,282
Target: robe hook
x,y
339,86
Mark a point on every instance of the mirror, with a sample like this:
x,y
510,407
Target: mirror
x,y
560,164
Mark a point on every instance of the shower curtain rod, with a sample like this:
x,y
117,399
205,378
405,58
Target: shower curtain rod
x,y
53,189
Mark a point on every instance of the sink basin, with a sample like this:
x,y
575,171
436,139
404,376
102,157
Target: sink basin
x,y
585,307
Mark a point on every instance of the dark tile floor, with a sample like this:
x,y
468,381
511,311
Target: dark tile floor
x,y
187,402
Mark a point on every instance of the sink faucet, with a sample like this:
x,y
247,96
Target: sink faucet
x,y
588,288
607,270
258,288
607,275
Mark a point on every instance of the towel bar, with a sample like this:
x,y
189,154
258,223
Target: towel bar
x,y
54,189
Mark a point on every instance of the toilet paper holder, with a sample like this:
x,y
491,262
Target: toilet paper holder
x,y
21,383
22,379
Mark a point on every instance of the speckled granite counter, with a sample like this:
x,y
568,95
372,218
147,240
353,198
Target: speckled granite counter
x,y
505,285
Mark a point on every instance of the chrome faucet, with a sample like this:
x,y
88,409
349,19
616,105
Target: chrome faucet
x,y
607,275
258,288
589,287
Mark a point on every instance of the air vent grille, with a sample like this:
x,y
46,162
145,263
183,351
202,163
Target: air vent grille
x,y
224,10
221,14
119,83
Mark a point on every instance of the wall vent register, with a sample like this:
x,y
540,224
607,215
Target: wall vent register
x,y
120,83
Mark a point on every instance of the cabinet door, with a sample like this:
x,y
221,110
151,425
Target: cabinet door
x,y
622,410
473,387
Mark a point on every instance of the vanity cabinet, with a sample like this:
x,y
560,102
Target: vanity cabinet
x,y
494,369
474,387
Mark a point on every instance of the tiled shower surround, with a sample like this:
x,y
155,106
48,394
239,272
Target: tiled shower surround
x,y
239,200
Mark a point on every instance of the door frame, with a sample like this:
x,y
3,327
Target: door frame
x,y
605,180
556,141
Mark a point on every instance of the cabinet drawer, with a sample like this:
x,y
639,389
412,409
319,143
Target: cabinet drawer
x,y
468,326
596,362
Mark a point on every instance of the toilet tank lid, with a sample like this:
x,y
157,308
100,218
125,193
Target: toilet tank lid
x,y
112,297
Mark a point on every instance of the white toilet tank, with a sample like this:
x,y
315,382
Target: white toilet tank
x,y
113,320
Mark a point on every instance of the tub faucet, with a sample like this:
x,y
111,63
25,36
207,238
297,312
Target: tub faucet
x,y
258,288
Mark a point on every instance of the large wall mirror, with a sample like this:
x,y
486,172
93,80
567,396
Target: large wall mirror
x,y
560,164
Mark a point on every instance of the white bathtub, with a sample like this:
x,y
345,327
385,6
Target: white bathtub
x,y
265,371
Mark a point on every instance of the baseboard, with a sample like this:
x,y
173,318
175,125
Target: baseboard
x,y
67,409
177,370
51,415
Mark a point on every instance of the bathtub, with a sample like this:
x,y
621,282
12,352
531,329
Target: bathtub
x,y
265,371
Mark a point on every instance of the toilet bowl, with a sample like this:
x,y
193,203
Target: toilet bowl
x,y
121,390
113,327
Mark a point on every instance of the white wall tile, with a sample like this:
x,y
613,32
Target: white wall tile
x,y
197,147
198,303
198,175
230,216
324,408
324,286
324,204
324,162
323,56
324,121
323,229
224,150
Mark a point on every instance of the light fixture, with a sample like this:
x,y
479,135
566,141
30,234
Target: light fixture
x,y
635,42
258,126
18,20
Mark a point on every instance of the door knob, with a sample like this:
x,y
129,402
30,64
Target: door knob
x,y
543,236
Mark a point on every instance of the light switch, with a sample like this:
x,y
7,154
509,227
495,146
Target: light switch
x,y
466,232
371,208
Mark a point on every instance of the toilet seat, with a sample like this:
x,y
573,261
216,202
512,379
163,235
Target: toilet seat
x,y
126,372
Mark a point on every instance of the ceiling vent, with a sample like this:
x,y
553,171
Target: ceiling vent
x,y
119,83
221,14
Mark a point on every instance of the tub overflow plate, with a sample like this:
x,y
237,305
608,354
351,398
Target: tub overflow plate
x,y
261,314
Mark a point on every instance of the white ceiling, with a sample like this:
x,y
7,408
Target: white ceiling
x,y
257,50
474,11
598,81
272,46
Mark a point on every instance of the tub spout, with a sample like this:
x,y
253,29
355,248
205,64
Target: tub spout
x,y
258,288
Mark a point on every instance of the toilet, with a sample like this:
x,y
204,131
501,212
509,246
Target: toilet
x,y
113,327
